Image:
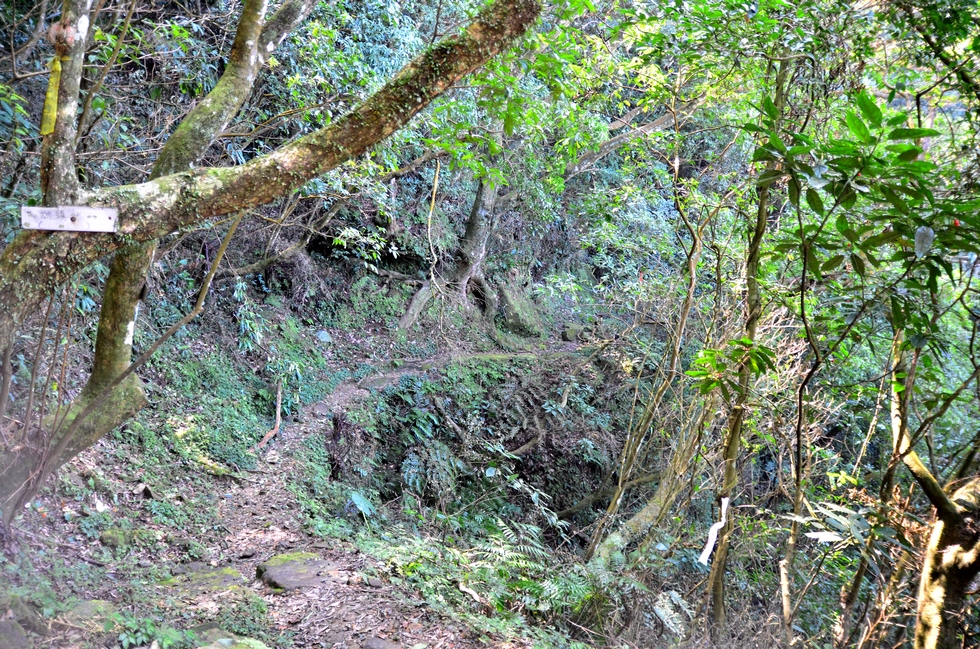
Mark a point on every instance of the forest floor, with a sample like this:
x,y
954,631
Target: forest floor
x,y
239,523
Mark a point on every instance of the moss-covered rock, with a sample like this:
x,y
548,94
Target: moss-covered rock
x,y
89,614
197,582
288,557
572,332
212,636
520,316
299,570
115,538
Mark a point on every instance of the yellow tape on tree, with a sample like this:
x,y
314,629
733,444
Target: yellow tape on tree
x,y
50,114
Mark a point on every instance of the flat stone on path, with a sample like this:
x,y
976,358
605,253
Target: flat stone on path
x,y
199,582
211,636
299,570
90,614
236,643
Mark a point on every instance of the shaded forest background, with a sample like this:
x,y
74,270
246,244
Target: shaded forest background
x,y
657,283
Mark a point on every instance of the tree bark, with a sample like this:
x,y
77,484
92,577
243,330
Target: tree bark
x,y
469,259
952,557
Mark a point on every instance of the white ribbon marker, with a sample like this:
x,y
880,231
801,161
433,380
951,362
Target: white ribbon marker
x,y
713,533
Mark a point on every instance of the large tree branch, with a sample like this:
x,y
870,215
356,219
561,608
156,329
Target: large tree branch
x,y
208,119
36,263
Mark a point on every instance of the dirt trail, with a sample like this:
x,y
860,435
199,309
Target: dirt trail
x,y
263,520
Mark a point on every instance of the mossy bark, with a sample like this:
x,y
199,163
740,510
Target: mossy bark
x,y
20,459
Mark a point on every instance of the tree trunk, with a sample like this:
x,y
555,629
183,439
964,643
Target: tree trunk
x,y
36,263
952,558
128,273
469,259
21,458
753,304
950,565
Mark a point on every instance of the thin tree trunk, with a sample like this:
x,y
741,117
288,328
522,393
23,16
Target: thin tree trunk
x,y
669,486
753,303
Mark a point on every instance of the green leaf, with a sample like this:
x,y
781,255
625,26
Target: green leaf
x,y
813,200
857,127
794,191
363,504
510,120
897,201
769,108
832,263
812,263
869,108
911,133
858,264
769,177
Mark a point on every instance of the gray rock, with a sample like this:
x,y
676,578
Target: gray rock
x,y
12,636
27,617
324,337
90,613
378,643
572,332
296,570
520,315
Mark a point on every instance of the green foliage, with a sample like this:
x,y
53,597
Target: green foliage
x,y
94,522
719,368
137,632
504,581
15,122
